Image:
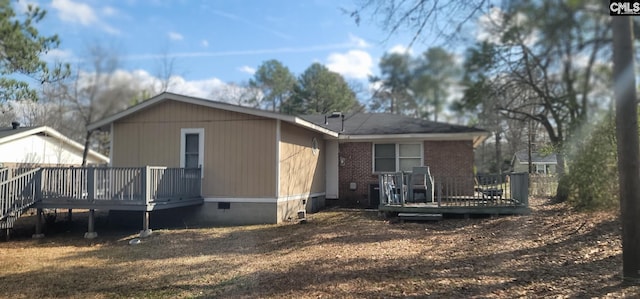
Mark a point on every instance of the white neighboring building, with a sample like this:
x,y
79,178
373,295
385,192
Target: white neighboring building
x,y
35,146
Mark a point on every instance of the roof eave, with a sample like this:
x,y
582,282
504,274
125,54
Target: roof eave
x,y
104,123
22,134
476,137
53,133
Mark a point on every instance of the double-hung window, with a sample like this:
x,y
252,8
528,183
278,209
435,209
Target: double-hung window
x,y
393,157
192,148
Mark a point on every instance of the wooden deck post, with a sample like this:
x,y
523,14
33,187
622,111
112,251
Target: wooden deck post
x,y
91,234
91,184
146,231
146,194
38,234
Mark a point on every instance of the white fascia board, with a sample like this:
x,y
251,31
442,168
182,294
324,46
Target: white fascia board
x,y
23,134
423,136
53,133
108,120
211,104
315,127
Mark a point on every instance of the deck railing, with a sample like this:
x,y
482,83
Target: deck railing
x,y
142,184
167,183
465,191
17,193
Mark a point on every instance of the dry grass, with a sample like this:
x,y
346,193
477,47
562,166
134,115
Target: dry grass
x,y
339,253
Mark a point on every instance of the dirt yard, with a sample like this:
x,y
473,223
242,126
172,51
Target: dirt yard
x,y
338,253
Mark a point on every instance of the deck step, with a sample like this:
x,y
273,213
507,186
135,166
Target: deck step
x,y
420,216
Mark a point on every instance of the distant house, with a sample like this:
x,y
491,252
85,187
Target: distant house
x,y
263,167
41,146
542,164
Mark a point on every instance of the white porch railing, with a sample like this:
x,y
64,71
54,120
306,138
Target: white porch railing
x,y
146,184
16,194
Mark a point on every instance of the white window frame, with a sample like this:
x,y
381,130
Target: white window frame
x,y
183,137
397,162
541,168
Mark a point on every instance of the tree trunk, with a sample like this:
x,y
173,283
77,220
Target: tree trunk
x,y
562,191
85,152
529,149
628,153
498,153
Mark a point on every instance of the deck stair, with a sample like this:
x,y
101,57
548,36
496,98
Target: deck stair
x,y
17,194
420,216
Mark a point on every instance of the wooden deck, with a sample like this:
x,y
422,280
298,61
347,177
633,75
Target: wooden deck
x,y
491,195
142,189
130,189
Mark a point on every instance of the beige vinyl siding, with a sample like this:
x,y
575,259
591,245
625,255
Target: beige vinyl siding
x,y
239,149
301,172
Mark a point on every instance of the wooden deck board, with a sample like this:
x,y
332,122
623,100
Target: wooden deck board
x,y
432,208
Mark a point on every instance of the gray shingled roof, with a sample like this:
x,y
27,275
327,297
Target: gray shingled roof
x,y
386,123
536,157
8,131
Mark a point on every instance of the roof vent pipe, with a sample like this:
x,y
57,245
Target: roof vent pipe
x,y
15,125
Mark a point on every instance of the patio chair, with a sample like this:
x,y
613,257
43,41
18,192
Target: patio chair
x,y
421,183
492,191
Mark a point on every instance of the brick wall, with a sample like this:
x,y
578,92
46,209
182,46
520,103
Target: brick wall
x,y
452,160
357,168
449,158
444,158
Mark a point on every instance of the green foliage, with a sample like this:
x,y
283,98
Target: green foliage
x,y
321,91
395,83
276,82
417,87
435,73
592,178
21,48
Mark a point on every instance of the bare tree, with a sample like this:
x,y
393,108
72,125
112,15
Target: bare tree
x,y
95,92
242,94
563,106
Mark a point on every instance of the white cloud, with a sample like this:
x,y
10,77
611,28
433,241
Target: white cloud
x,y
196,88
489,25
400,49
358,42
247,69
60,55
81,13
205,43
204,88
356,64
109,11
175,36
492,24
75,12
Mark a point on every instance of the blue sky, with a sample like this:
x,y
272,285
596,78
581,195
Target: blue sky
x,y
211,42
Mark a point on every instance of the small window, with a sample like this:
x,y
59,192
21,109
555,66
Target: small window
x,y
409,156
392,157
191,151
192,148
385,158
